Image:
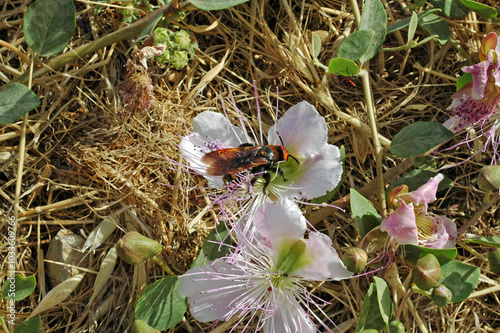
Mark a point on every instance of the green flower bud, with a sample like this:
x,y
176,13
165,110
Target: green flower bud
x,y
140,326
164,58
396,327
355,259
162,36
136,249
179,59
182,39
441,296
427,272
494,260
489,178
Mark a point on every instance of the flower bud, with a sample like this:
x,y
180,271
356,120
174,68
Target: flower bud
x,y
489,178
355,259
427,272
179,59
392,195
396,327
136,249
182,39
441,296
494,260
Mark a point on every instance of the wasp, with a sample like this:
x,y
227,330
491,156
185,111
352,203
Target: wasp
x,y
228,162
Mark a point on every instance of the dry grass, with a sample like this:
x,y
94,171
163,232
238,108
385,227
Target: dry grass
x,y
85,159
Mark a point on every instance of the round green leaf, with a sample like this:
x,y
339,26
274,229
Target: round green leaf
x,y
451,8
15,101
211,248
365,215
377,308
161,306
435,25
415,252
460,278
463,80
342,66
49,25
19,287
33,325
355,45
419,138
373,18
483,10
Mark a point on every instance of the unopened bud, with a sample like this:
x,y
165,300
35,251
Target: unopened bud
x,y
179,59
355,259
494,260
182,39
489,178
427,272
136,249
441,296
396,327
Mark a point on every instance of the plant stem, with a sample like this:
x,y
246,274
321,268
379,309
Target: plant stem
x,y
163,265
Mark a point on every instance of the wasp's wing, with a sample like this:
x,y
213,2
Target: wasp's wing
x,y
231,161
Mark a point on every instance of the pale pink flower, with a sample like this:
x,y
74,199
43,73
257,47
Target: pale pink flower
x,y
411,223
476,104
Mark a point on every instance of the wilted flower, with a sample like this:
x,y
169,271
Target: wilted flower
x,y
476,104
411,223
314,170
265,276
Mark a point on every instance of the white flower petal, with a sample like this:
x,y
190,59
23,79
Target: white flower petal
x,y
303,130
325,262
280,220
290,317
211,289
319,174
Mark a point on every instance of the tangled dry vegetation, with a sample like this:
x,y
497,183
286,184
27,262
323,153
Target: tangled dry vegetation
x,y
86,158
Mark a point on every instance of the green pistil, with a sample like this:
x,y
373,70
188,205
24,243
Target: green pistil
x,y
292,256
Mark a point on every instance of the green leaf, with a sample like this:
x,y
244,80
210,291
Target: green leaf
x,y
342,66
425,163
415,252
417,178
419,138
405,23
413,26
460,278
365,215
215,5
435,25
18,287
316,45
463,80
15,101
140,326
160,305
33,325
49,25
377,308
493,241
373,18
356,45
147,31
212,248
329,195
451,8
420,3
483,10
